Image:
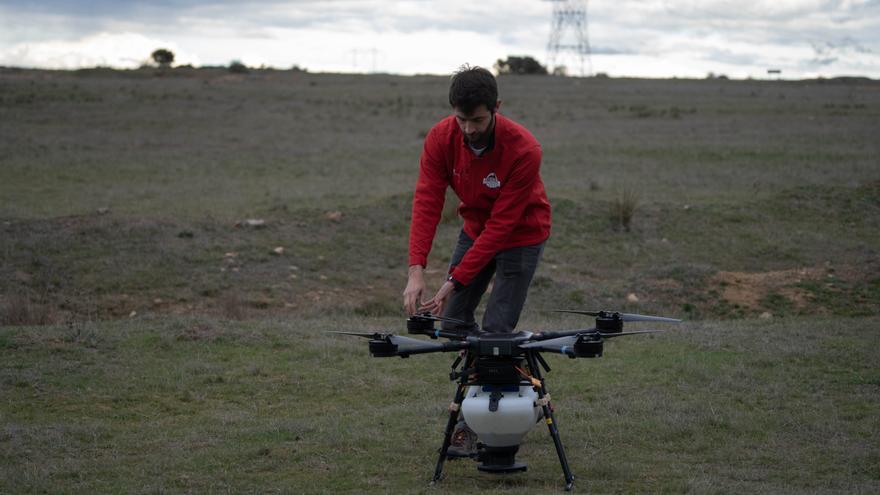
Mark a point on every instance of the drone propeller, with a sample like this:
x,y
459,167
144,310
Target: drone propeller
x,y
623,316
634,332
374,336
429,316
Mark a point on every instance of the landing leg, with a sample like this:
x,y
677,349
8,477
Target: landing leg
x,y
551,422
454,411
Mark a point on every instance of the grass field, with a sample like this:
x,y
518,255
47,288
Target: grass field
x,y
152,341
277,406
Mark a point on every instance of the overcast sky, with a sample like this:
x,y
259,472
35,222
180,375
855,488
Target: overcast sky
x,y
653,38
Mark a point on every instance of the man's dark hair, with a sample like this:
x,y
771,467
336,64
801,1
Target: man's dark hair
x,y
472,87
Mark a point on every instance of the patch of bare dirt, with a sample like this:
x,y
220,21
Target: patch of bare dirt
x,y
748,289
666,284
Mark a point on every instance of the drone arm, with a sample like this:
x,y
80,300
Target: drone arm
x,y
444,347
446,334
561,345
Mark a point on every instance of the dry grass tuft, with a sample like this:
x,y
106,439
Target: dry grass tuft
x,y
231,306
623,208
19,309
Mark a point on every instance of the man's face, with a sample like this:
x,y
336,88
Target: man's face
x,y
476,126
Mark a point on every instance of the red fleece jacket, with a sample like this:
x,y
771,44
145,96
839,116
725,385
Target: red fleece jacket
x,y
503,202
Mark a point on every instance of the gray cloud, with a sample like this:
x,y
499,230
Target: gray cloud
x,y
607,50
735,33
830,52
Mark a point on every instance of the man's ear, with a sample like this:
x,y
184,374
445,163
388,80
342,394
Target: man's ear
x,y
497,106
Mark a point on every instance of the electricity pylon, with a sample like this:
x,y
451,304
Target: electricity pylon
x,y
568,33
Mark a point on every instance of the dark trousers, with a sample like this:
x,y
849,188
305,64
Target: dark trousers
x,y
513,269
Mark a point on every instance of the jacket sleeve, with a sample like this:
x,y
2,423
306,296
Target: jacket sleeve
x,y
507,212
430,194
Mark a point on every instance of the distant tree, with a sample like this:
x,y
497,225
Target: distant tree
x,y
236,67
163,57
520,65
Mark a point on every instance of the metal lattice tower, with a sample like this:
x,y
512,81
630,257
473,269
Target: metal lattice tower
x,y
568,33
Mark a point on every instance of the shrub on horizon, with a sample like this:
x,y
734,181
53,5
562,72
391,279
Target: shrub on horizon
x,y
163,57
236,67
520,65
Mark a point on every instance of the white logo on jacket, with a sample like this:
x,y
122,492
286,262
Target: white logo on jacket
x,y
491,181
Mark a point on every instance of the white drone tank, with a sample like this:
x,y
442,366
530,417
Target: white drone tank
x,y
515,416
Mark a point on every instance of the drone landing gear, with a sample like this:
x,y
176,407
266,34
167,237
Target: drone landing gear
x,y
532,358
501,459
454,409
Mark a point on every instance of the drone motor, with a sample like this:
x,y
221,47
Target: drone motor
x,y
382,348
588,346
417,325
609,322
423,324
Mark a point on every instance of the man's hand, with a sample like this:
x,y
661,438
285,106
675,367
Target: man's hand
x,y
436,304
415,286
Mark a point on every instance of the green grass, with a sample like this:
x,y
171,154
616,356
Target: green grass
x,y
182,404
754,176
206,143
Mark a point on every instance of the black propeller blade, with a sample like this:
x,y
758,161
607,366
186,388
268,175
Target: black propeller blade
x,y
635,317
635,332
623,316
374,336
429,316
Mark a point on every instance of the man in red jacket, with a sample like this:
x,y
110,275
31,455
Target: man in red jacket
x,y
493,165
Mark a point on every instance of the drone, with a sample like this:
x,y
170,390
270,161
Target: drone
x,y
501,393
